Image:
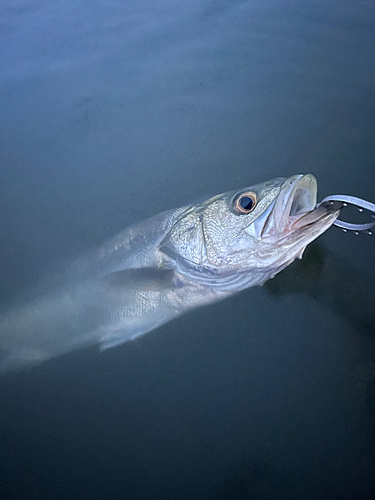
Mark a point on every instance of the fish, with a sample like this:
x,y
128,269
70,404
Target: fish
x,y
161,268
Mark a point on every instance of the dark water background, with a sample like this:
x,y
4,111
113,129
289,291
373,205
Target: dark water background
x,y
113,111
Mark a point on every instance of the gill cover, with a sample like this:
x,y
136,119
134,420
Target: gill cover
x,y
185,239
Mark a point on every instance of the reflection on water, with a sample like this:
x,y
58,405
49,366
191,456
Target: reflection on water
x,y
338,286
334,283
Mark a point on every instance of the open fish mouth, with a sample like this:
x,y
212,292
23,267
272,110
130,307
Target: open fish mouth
x,y
295,208
296,200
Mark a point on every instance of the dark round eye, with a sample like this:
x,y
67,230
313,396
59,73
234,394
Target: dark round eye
x,y
245,202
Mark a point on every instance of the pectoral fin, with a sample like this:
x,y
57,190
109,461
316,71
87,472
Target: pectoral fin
x,y
145,279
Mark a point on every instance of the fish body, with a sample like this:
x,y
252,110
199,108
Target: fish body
x,y
161,268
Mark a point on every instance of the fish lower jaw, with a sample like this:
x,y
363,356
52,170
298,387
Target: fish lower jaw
x,y
277,268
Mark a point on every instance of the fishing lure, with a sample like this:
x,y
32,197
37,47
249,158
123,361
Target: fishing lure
x,y
361,205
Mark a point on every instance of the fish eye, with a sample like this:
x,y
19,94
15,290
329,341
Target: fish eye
x,y
245,202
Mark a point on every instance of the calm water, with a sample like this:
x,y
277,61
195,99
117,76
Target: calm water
x,y
113,111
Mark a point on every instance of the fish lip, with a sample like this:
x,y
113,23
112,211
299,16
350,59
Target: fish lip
x,y
296,206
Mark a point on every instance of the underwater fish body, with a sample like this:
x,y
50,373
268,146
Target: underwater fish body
x,y
165,266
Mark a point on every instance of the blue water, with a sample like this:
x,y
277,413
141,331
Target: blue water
x,y
113,111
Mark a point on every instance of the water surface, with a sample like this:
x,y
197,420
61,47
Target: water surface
x,y
113,111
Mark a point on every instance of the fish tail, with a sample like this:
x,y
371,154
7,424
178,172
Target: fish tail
x,y
34,333
19,342
19,359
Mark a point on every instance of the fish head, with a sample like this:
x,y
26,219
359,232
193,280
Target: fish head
x,y
243,238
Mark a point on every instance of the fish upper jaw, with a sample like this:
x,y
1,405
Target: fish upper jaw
x,y
293,209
